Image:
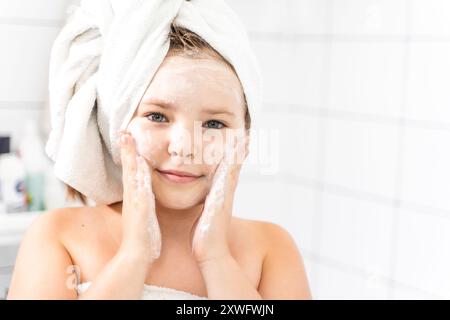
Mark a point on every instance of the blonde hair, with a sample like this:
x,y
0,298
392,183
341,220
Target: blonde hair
x,y
186,42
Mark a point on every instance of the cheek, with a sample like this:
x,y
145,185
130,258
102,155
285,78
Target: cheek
x,y
146,140
213,148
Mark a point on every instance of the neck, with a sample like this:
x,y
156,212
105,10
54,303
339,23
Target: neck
x,y
176,225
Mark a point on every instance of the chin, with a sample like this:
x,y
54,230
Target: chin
x,y
177,204
179,196
179,199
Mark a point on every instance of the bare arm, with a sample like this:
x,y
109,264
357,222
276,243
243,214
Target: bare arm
x,y
44,267
283,275
124,275
225,280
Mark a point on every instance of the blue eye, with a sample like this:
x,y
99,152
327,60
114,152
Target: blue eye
x,y
216,124
159,117
156,116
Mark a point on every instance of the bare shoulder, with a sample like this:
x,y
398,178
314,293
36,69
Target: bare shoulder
x,y
41,248
58,222
59,217
58,227
258,237
283,274
265,234
83,221
51,245
51,223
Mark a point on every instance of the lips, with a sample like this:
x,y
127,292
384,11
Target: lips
x,y
178,176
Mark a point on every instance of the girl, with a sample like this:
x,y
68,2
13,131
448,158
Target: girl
x,y
173,236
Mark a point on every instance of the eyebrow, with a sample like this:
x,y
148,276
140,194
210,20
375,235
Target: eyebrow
x,y
167,104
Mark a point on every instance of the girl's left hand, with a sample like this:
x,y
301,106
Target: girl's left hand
x,y
210,240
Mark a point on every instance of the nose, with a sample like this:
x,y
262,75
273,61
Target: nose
x,y
180,144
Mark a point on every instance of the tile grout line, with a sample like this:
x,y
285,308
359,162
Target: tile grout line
x,y
31,22
361,272
327,188
395,232
21,105
357,116
345,38
321,152
351,193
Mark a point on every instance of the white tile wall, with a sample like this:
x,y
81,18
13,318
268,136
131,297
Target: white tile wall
x,y
312,270
361,155
381,17
301,215
373,77
27,31
298,142
271,195
27,36
24,62
408,293
34,9
291,67
429,75
423,258
334,282
358,233
425,171
430,17
11,120
279,202
365,82
284,16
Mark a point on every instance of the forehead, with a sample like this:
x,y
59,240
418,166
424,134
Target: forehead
x,y
200,78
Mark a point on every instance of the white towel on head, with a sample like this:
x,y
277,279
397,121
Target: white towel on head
x,y
100,66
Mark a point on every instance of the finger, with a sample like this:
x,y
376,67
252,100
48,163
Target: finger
x,y
234,156
144,178
227,173
241,152
235,153
149,141
128,158
227,167
225,176
146,198
220,197
214,203
216,194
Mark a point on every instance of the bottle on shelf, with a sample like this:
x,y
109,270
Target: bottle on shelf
x,y
31,149
12,179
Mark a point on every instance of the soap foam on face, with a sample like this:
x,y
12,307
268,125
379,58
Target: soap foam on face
x,y
145,146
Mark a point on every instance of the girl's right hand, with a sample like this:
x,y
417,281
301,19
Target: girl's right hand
x,y
141,234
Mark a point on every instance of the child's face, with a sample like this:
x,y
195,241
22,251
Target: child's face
x,y
184,94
